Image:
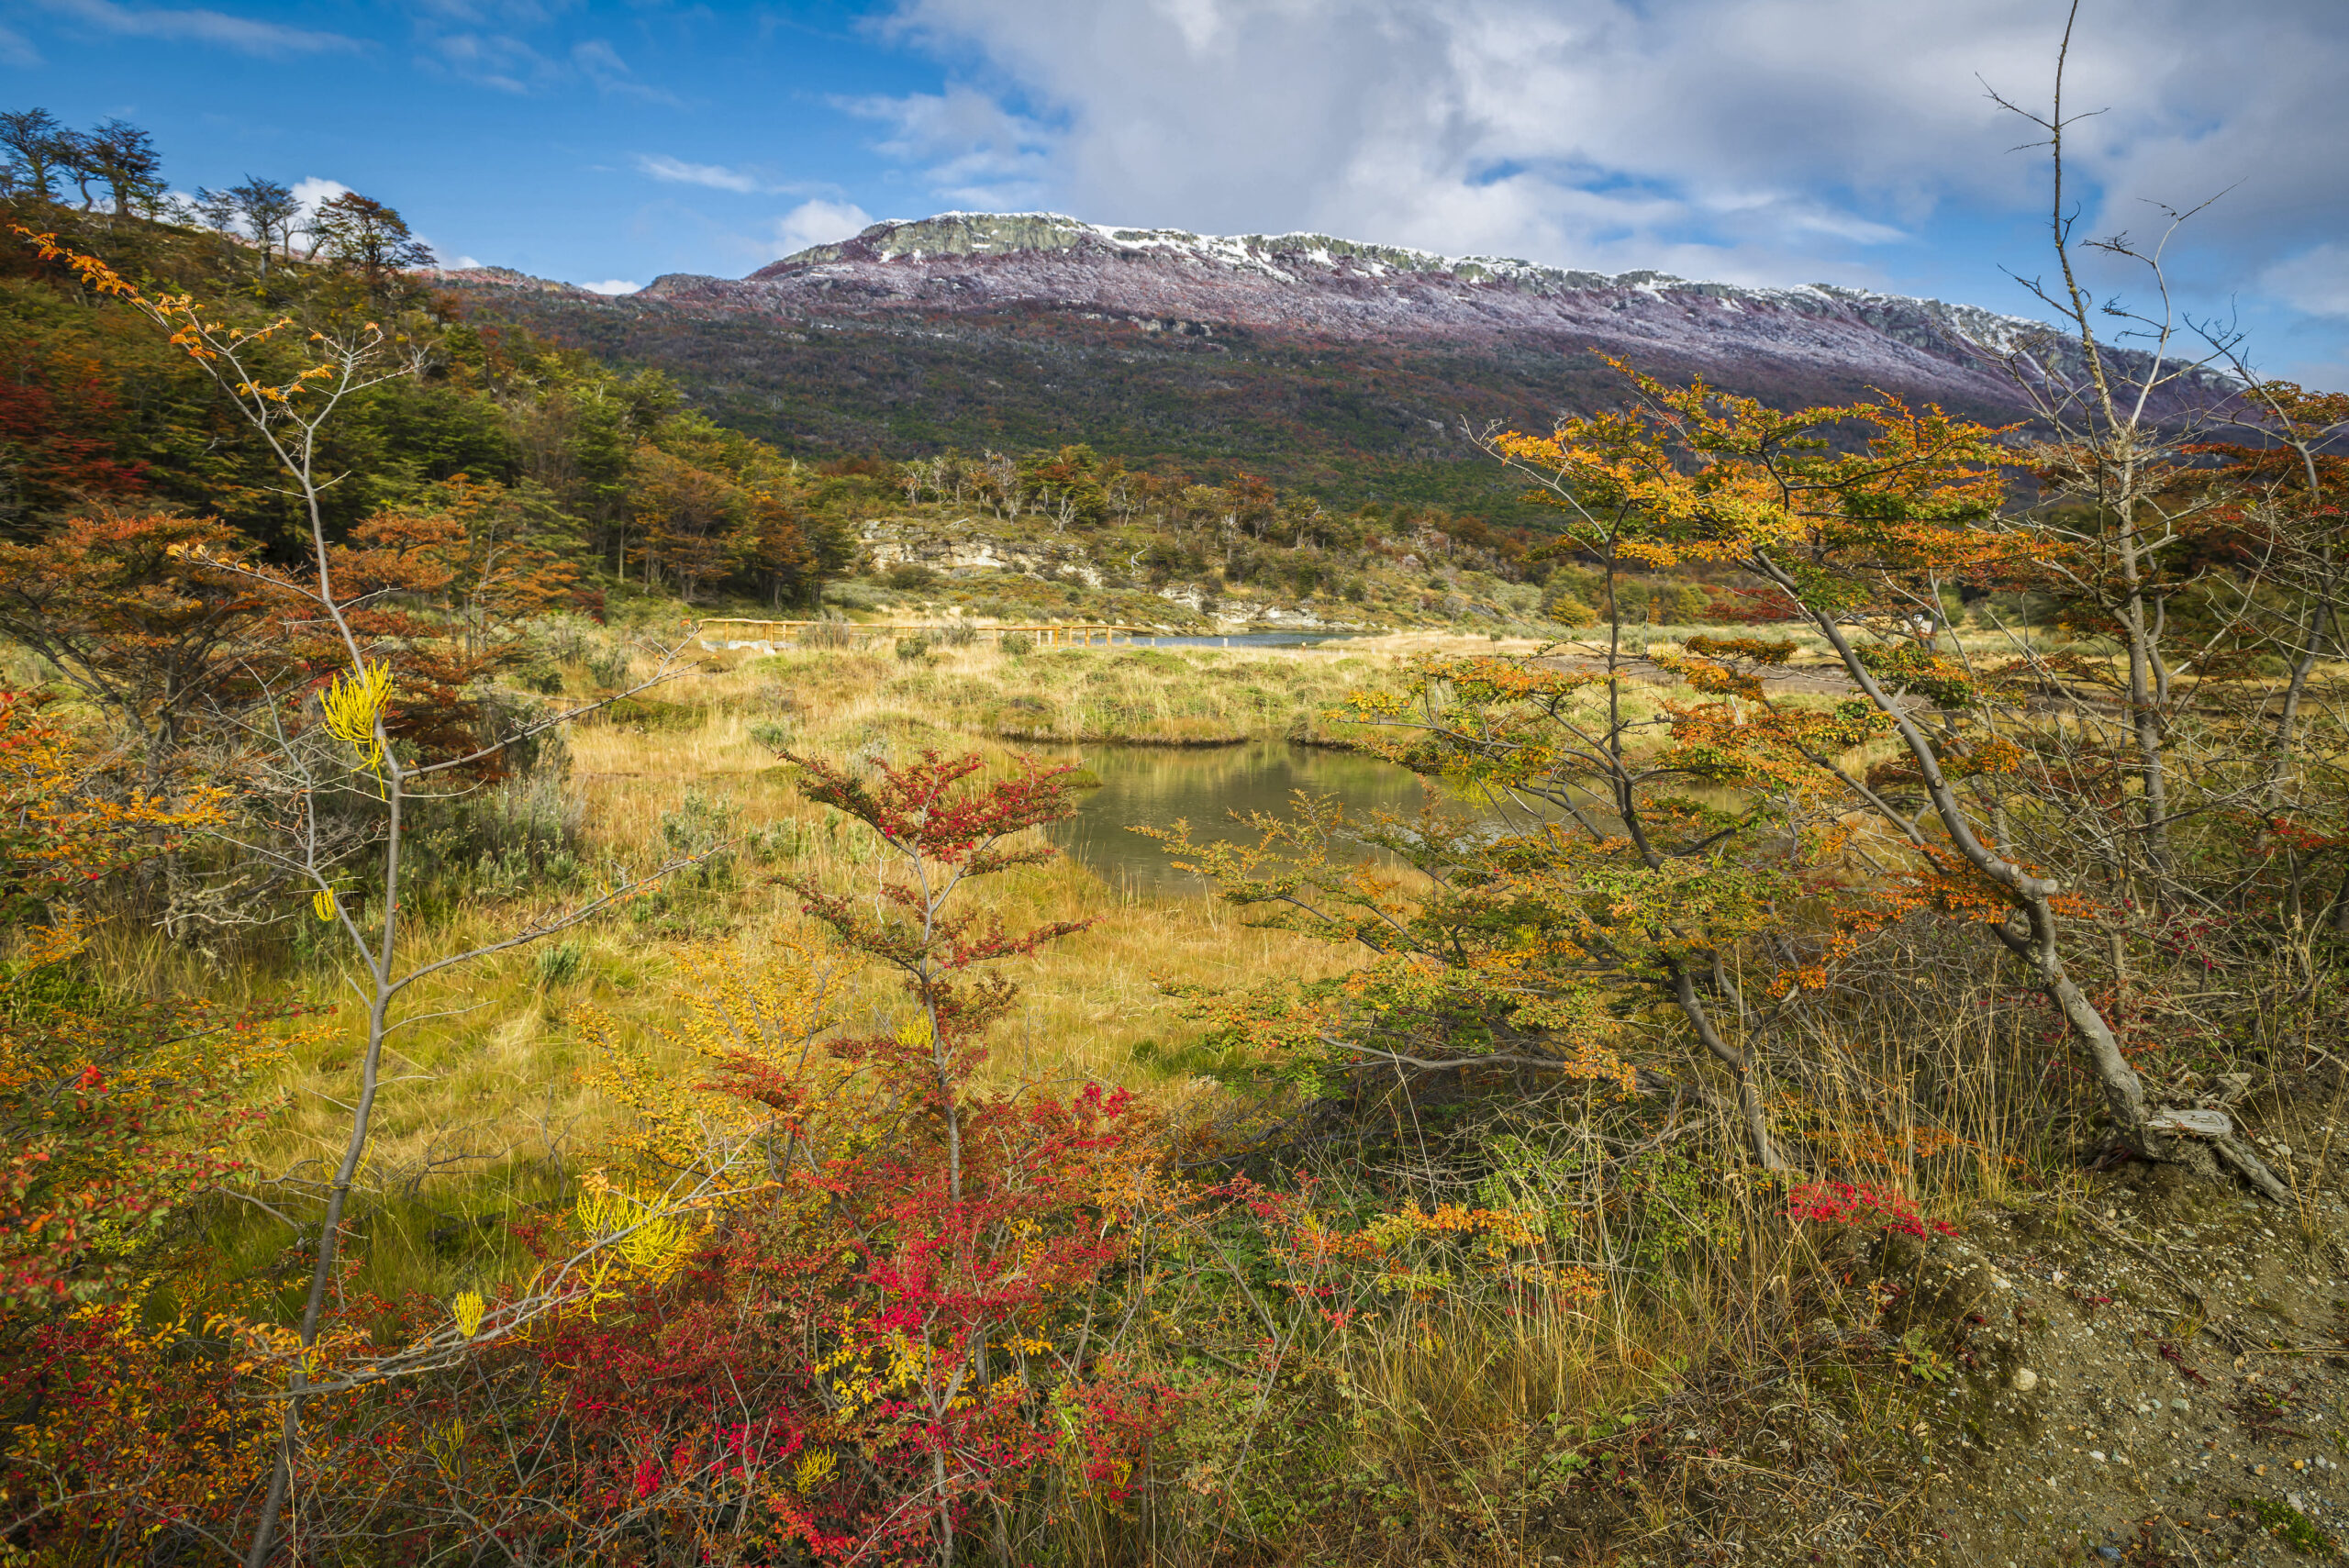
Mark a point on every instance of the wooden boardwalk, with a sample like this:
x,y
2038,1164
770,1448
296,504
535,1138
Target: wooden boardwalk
x,y
722,632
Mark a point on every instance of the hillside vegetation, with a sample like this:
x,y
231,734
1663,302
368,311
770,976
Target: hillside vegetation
x,y
495,1069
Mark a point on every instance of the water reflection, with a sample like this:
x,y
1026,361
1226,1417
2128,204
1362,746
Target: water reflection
x,y
1243,640
1156,786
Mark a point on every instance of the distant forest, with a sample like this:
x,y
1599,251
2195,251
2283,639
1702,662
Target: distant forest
x,y
1351,422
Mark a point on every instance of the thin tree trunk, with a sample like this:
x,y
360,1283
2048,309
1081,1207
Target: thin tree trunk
x,y
1750,1108
2288,722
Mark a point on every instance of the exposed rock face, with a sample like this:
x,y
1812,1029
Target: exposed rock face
x,y
1317,287
1315,360
507,277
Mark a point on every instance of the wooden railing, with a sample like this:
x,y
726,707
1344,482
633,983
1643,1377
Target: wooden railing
x,y
1083,634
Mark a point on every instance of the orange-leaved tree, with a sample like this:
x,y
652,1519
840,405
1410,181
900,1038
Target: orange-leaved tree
x,y
342,745
111,1108
1603,871
118,1113
1861,514
1622,864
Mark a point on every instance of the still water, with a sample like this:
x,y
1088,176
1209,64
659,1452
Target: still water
x,y
1243,640
1155,786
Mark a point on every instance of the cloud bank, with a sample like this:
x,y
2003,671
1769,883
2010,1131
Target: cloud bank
x,y
1752,140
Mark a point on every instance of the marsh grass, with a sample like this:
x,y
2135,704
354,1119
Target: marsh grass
x,y
489,1079
1461,1424
493,1104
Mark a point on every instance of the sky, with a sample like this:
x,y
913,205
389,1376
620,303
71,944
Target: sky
x,y
1755,141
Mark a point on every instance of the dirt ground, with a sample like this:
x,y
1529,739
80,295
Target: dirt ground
x,y
2158,1376
2148,1370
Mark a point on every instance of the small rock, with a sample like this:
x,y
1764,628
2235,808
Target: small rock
x,y
2023,1381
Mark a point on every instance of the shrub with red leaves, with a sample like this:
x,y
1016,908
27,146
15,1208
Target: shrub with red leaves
x,y
1862,1208
881,1346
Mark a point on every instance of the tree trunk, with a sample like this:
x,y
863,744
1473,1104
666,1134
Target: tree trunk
x,y
1750,1108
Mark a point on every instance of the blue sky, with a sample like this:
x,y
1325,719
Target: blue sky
x,y
1754,140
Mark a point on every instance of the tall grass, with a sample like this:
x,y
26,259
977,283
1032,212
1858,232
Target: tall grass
x,y
1463,1419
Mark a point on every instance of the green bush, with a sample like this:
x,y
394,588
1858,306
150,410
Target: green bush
x,y
702,829
649,713
561,963
1676,603
1016,643
610,668
913,650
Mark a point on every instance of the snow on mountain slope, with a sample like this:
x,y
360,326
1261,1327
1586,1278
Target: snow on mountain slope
x,y
1319,287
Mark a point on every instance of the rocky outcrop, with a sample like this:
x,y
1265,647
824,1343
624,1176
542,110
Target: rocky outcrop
x,y
1157,281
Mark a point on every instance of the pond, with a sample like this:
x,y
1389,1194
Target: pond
x,y
1243,640
1156,786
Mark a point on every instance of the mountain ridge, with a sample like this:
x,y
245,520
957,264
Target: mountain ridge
x,y
1346,367
960,233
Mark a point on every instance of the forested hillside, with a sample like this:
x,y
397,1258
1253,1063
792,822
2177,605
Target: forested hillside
x,y
497,431
1359,371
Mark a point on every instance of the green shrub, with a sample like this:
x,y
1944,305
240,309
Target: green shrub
x,y
912,650
855,596
701,828
610,668
827,634
561,962
1679,604
650,713
1017,643
781,841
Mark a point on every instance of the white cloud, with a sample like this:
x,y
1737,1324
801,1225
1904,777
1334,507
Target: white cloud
x,y
613,285
311,193
601,64
978,153
490,59
1778,139
2316,281
717,176
818,223
199,26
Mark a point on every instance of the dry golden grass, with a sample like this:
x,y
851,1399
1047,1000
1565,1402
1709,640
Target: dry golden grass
x,y
486,1072
488,1087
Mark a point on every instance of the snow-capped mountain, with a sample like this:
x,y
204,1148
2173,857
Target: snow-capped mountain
x,y
1315,285
1347,366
